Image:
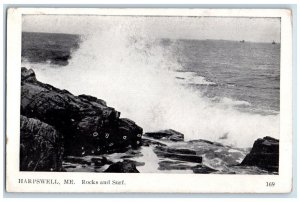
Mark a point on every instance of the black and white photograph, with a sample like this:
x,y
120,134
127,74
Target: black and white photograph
x,y
150,94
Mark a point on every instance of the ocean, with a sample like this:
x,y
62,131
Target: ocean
x,y
217,90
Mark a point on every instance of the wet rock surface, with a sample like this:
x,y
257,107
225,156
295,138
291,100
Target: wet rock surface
x,y
197,156
165,156
264,154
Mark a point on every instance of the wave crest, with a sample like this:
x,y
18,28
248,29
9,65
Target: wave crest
x,y
138,75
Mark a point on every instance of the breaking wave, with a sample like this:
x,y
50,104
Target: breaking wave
x,y
141,78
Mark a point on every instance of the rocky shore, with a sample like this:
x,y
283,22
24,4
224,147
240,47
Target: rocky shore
x,y
64,132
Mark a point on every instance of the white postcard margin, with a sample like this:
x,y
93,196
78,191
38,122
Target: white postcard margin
x,y
148,183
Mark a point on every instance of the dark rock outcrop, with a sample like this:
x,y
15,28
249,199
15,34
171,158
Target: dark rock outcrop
x,y
41,147
169,134
122,167
264,154
88,125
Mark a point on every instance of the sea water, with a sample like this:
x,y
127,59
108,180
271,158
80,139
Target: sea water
x,y
224,91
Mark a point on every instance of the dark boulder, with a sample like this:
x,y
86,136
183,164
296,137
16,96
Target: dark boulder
x,y
264,154
169,134
88,125
122,167
41,146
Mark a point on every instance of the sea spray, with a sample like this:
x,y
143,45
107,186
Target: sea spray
x,y
136,74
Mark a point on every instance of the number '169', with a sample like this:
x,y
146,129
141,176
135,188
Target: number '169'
x,y
270,184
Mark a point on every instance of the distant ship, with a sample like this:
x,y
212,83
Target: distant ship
x,y
273,42
243,41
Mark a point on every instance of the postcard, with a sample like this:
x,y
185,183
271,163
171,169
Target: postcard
x,y
149,100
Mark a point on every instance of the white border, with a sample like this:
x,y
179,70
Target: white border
x,y
146,183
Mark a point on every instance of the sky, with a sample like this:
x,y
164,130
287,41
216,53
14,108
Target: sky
x,y
219,28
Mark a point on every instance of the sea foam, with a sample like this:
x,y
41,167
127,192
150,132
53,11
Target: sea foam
x,y
138,76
